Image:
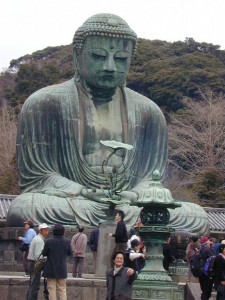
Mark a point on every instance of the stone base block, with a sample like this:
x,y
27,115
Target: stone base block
x,y
155,290
15,288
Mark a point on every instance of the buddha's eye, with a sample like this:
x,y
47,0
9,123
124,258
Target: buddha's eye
x,y
98,53
121,55
94,55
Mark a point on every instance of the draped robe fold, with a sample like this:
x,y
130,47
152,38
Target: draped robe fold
x,y
49,148
50,157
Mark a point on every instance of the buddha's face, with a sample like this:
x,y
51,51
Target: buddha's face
x,y
104,62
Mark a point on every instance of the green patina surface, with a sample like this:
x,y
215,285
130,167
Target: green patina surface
x,y
59,151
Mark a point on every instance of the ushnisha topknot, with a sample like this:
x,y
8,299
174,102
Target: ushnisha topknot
x,y
103,25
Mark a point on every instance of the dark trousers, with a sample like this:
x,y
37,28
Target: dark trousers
x,y
34,284
206,285
220,292
166,264
25,262
219,296
78,266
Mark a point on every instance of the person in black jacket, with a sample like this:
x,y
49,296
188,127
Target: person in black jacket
x,y
167,254
120,235
219,269
94,241
133,256
55,269
206,283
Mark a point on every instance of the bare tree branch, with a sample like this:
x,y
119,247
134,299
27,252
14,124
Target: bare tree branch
x,y
197,135
8,129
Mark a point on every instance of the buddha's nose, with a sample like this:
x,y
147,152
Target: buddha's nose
x,y
109,64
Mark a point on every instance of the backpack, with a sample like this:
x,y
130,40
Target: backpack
x,y
197,265
209,267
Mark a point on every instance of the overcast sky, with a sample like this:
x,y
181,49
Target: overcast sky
x,y
30,25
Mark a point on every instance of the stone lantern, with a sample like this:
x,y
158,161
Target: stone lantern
x,y
154,282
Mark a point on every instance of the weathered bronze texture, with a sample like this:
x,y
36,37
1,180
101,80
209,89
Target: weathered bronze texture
x,y
58,145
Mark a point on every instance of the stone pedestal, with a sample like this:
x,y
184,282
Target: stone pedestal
x,y
154,237
105,247
153,290
154,282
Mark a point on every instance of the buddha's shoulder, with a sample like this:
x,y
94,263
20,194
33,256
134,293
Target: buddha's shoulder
x,y
53,93
147,109
140,99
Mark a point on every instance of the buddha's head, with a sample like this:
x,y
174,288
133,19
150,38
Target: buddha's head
x,y
103,47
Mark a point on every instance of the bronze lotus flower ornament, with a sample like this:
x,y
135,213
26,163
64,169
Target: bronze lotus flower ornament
x,y
113,188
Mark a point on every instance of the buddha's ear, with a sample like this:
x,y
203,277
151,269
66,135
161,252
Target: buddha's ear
x,y
76,66
75,62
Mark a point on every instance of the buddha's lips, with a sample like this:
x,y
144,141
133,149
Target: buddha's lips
x,y
106,77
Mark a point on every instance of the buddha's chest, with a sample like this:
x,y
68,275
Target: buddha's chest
x,y
101,122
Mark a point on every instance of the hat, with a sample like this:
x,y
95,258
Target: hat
x,y
134,243
29,222
43,226
204,239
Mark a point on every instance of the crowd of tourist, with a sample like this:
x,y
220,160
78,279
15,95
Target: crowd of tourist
x,y
127,259
207,255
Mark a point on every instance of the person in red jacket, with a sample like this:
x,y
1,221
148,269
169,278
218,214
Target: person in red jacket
x,y
78,245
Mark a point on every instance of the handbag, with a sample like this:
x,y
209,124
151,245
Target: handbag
x,y
24,247
39,264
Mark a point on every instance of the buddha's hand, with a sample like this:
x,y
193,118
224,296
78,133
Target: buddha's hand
x,y
55,193
93,194
70,191
99,195
125,197
128,196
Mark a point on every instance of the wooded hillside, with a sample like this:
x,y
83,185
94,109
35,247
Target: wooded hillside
x,y
164,72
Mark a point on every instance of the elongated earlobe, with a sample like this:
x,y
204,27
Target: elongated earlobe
x,y
77,74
